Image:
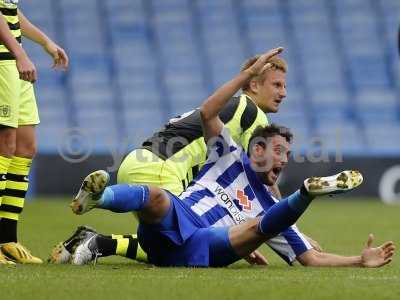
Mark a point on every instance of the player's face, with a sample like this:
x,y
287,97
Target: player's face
x,y
271,92
269,162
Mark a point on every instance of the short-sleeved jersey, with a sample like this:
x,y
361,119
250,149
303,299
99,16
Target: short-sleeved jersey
x,y
227,191
9,9
181,141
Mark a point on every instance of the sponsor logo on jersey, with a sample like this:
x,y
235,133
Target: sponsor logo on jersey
x,y
233,210
243,200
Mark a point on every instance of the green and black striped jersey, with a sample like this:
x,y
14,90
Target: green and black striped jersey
x,y
181,143
9,9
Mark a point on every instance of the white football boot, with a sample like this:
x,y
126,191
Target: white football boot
x,y
60,253
87,250
336,184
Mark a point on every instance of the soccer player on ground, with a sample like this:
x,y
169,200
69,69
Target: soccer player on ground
x,y
18,118
172,157
180,231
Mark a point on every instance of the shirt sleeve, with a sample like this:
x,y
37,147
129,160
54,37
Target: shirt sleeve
x,y
289,244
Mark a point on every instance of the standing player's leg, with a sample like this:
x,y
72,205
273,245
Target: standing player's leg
x,y
7,148
17,183
9,112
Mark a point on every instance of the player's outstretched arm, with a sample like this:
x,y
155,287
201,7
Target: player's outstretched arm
x,y
371,257
212,125
60,58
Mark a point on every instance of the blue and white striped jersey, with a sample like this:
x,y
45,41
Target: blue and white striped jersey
x,y
227,192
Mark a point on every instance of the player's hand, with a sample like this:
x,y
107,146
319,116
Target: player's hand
x,y
373,257
26,68
60,58
313,243
261,64
256,258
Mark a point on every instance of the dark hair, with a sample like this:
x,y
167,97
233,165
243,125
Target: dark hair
x,y
262,133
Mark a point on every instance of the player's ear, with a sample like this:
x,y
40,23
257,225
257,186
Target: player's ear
x,y
258,149
253,86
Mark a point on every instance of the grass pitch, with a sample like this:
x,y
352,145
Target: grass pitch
x,y
341,226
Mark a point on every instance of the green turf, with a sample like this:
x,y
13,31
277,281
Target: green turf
x,y
340,226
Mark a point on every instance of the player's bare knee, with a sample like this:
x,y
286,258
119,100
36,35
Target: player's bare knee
x,y
26,149
157,206
26,141
245,238
252,227
158,201
7,141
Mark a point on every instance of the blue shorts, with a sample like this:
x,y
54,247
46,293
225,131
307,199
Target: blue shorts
x,y
182,239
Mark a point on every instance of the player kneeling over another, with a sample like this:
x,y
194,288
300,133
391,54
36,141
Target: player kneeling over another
x,y
230,189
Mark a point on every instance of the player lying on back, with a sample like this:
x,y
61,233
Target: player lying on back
x,y
231,185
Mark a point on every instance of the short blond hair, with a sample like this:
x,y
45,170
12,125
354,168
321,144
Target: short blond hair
x,y
277,63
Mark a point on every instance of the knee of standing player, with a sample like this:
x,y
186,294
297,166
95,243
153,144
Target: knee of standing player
x,y
7,141
26,148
